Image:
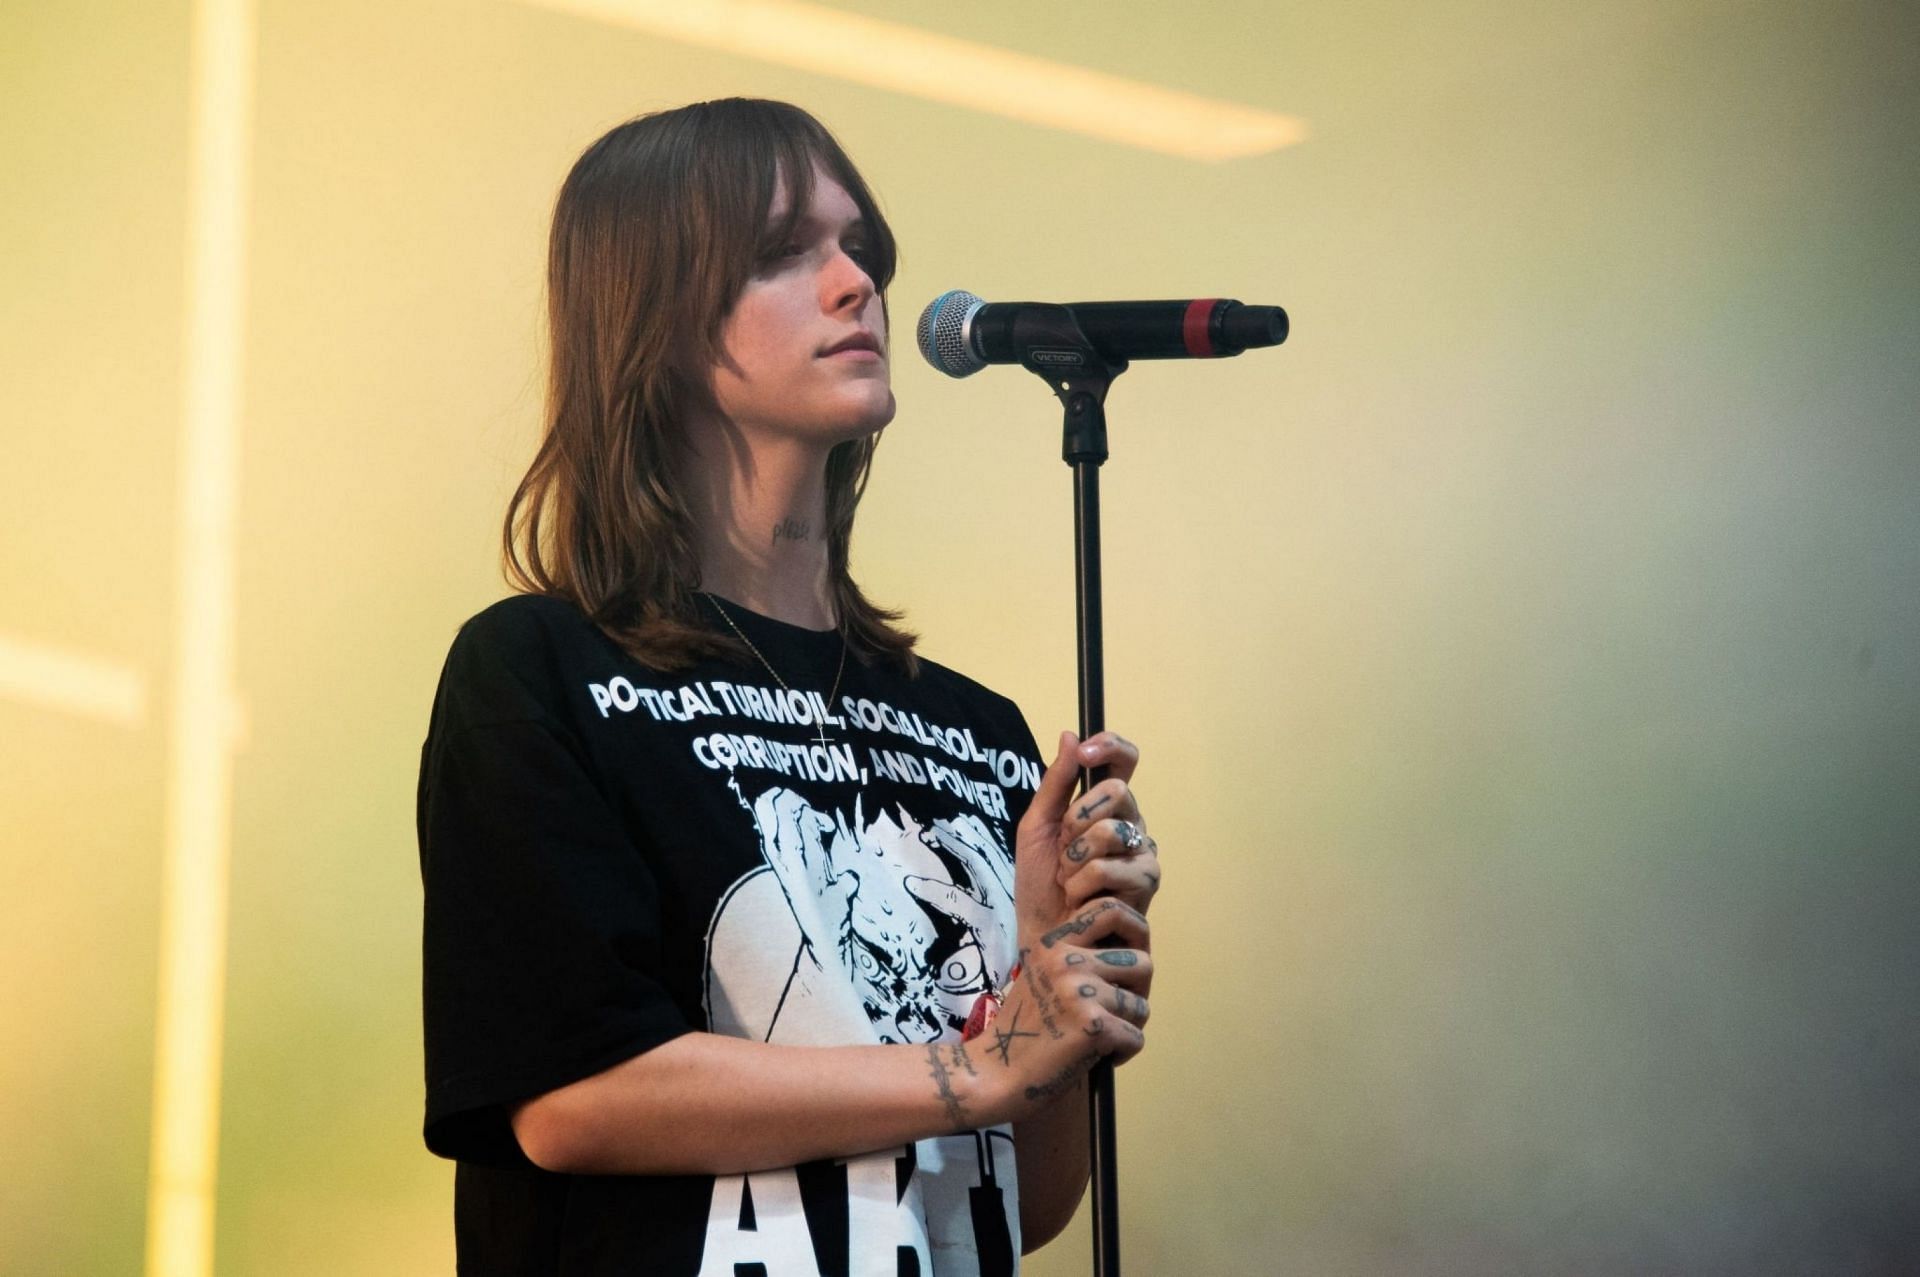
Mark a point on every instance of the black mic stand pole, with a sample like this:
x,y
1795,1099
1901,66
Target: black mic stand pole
x,y
1085,448
1058,352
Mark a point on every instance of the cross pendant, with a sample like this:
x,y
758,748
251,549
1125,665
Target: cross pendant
x,y
821,738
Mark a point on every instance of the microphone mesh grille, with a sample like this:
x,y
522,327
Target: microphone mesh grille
x,y
942,333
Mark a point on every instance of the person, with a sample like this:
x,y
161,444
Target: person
x,y
754,942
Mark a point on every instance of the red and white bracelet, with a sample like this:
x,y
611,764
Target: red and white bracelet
x,y
985,1007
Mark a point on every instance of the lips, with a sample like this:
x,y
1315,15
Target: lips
x,y
858,341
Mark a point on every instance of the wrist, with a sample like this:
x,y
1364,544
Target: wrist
x,y
991,1084
970,1088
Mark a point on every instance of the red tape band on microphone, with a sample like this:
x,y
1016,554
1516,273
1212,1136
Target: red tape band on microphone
x,y
1193,328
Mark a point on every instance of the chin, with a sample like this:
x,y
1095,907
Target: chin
x,y
843,421
873,416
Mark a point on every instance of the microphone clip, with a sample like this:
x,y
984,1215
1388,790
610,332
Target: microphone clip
x,y
1053,348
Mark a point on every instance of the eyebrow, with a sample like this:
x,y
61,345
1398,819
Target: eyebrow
x,y
858,222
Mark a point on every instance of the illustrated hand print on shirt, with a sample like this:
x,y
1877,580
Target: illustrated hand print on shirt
x,y
917,917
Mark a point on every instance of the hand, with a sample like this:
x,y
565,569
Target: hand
x,y
1067,854
1074,1004
1105,849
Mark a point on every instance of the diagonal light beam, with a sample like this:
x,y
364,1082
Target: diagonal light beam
x,y
58,678
939,68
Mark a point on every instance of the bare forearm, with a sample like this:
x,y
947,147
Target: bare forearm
x,y
717,1105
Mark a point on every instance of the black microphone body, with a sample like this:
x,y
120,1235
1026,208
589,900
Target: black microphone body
x,y
959,334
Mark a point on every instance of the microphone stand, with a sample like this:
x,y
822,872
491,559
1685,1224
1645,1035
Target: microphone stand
x,y
1057,351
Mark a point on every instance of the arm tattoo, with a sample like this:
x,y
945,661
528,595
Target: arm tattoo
x,y
961,1060
1067,1079
943,1083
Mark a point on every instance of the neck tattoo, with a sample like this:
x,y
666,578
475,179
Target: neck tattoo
x,y
820,738
791,529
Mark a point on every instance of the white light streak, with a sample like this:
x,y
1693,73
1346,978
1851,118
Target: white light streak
x,y
193,918
57,678
940,68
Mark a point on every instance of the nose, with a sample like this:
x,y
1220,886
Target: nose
x,y
845,284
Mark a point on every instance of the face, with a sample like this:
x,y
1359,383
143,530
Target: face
x,y
805,346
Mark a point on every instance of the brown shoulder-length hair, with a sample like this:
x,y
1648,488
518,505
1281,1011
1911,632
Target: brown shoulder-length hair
x,y
655,232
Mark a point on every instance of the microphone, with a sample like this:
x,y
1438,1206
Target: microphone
x,y
959,334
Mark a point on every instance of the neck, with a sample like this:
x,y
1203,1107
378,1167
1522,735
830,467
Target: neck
x,y
760,525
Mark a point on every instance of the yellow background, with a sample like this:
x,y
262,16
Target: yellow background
x,y
1524,655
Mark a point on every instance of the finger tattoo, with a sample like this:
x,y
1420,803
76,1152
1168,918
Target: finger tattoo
x,y
1119,957
1086,811
1067,1079
1088,991
1079,925
1077,849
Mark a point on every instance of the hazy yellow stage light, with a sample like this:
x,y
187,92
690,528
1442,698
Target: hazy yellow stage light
x,y
978,77
193,921
66,680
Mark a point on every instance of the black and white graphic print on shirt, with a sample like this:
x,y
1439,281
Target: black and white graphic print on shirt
x,y
899,924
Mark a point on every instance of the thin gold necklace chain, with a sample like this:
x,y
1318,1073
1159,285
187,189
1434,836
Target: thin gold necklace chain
x,y
769,664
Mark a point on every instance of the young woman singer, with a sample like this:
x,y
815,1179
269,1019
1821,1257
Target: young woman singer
x,y
754,943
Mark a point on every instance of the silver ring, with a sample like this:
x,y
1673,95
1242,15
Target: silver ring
x,y
1132,838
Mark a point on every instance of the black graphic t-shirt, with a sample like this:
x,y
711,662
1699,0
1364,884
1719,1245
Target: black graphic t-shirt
x,y
614,856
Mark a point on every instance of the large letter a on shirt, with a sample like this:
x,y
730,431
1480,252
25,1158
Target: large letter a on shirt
x,y
757,1219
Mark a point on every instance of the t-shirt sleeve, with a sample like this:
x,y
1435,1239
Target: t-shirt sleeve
x,y
542,920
